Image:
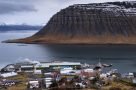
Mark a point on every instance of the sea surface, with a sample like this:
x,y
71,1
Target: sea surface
x,y
123,58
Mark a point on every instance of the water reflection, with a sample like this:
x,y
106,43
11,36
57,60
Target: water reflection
x,y
122,57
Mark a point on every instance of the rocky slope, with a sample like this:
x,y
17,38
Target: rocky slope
x,y
97,23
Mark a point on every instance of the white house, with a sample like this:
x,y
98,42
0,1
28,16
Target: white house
x,y
9,74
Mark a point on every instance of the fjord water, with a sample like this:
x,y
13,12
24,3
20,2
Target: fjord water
x,y
123,58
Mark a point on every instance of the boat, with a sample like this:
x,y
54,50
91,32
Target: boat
x,y
106,65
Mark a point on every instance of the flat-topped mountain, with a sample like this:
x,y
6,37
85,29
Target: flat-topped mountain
x,y
18,27
95,23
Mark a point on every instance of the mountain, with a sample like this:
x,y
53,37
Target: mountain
x,y
95,23
5,27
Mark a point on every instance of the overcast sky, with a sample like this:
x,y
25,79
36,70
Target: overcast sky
x,y
35,12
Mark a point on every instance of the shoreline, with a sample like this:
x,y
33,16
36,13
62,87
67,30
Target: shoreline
x,y
71,43
77,40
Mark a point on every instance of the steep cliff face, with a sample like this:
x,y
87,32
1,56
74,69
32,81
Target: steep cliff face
x,y
97,23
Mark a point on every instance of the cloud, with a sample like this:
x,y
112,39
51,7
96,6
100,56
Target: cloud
x,y
9,7
40,11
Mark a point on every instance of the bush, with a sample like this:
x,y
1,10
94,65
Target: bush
x,y
115,88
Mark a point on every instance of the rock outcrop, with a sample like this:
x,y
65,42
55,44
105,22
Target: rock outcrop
x,y
97,23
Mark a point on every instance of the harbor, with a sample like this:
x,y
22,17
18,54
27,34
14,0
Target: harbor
x,y
56,75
